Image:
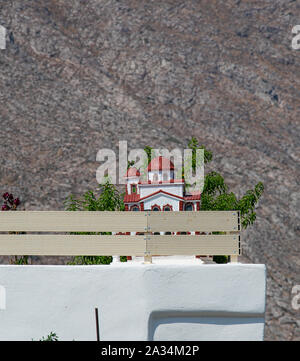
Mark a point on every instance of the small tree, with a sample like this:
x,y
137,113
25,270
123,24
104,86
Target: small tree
x,y
109,199
216,197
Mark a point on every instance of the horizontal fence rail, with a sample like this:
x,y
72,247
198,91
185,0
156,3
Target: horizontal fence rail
x,y
59,221
71,245
56,221
205,221
191,245
224,228
93,245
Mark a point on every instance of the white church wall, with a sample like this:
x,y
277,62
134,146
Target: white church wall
x,y
151,175
176,189
161,200
162,175
131,180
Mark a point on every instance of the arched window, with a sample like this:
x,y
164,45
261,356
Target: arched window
x,y
155,207
189,207
167,208
133,188
135,208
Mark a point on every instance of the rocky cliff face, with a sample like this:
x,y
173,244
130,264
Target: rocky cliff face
x,y
78,76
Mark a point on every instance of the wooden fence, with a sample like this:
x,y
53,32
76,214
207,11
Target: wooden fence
x,y
146,243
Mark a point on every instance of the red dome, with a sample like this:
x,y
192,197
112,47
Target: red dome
x,y
132,172
160,163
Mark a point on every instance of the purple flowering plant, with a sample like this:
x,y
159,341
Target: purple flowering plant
x,y
10,203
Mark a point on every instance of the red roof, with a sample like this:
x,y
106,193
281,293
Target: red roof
x,y
193,197
129,198
160,163
132,172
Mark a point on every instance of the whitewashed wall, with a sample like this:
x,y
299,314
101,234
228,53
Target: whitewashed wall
x,y
135,302
176,189
162,200
169,174
132,180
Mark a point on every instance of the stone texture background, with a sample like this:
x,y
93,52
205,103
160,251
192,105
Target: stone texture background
x,y
78,76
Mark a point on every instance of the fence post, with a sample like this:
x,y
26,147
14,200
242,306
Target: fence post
x,y
147,256
148,259
233,258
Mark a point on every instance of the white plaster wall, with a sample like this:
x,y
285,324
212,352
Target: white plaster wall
x,y
176,189
161,200
132,180
161,174
152,173
135,302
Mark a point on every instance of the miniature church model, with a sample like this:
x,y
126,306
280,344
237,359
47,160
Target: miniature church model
x,y
160,192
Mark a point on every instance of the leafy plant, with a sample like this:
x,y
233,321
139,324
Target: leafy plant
x,y
220,259
11,203
216,197
51,337
194,145
109,199
130,163
150,153
20,260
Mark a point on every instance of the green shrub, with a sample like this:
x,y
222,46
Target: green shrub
x,y
106,198
220,259
51,337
